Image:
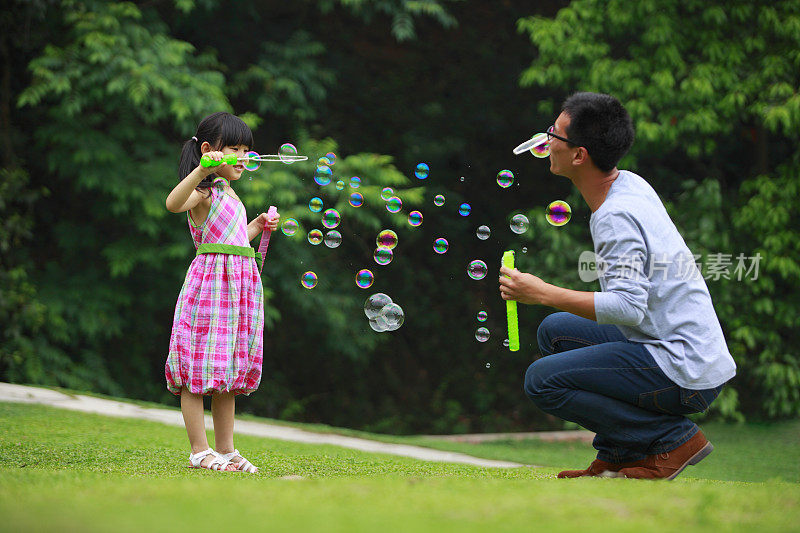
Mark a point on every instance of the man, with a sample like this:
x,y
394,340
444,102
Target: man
x,y
631,361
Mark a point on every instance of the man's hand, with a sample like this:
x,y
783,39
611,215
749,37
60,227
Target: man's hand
x,y
522,287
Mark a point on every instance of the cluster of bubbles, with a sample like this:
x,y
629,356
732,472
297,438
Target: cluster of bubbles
x,y
383,314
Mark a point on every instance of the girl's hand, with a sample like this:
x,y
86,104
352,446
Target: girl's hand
x,y
262,221
272,223
216,156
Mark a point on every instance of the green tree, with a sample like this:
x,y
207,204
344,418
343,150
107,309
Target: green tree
x,y
109,97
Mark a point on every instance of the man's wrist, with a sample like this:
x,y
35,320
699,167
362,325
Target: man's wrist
x,y
549,295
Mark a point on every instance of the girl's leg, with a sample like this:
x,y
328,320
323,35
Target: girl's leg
x,y
223,407
194,419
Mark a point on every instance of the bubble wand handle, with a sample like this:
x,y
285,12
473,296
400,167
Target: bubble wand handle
x,y
230,159
263,244
511,308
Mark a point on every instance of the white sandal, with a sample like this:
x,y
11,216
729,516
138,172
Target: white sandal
x,y
244,465
219,463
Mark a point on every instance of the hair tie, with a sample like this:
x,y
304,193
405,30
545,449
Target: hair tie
x,y
194,139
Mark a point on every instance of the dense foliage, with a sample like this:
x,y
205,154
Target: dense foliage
x,y
98,96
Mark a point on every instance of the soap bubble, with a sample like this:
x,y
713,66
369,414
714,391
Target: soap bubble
x,y
374,304
333,239
558,213
415,218
387,193
477,269
308,280
506,343
315,236
488,365
330,156
289,227
323,175
355,182
524,249
464,210
387,238
482,334
483,232
383,255
422,171
482,316
440,245
356,199
378,325
364,278
315,204
519,224
339,185
505,178
323,161
541,147
331,218
250,163
286,153
394,204
393,315
438,200
462,178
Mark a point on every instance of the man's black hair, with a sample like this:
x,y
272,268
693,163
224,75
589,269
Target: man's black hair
x,y
599,123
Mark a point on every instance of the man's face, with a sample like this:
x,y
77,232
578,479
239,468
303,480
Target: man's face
x,y
561,153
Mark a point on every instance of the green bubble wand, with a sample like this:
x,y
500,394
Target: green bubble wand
x,y
511,308
251,160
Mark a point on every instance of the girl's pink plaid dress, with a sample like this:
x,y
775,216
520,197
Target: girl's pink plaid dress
x,y
217,333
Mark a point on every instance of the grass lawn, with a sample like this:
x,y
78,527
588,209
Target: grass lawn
x,y
742,452
63,470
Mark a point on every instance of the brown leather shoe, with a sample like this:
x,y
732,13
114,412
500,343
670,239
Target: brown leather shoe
x,y
669,465
597,468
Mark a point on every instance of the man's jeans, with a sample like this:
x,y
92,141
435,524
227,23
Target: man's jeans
x,y
594,376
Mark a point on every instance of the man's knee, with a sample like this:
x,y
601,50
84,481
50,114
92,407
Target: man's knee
x,y
547,330
534,382
541,387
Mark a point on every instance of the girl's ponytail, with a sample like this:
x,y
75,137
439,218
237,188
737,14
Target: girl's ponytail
x,y
190,158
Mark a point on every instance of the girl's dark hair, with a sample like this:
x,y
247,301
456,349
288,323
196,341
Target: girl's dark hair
x,y
599,123
219,130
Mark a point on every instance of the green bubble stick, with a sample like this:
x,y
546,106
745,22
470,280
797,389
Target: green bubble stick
x,y
511,308
252,157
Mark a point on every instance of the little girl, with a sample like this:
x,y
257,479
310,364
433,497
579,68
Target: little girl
x,y
217,332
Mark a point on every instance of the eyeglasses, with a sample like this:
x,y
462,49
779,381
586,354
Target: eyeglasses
x,y
550,136
539,144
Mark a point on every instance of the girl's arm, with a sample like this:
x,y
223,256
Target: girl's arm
x,y
185,196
